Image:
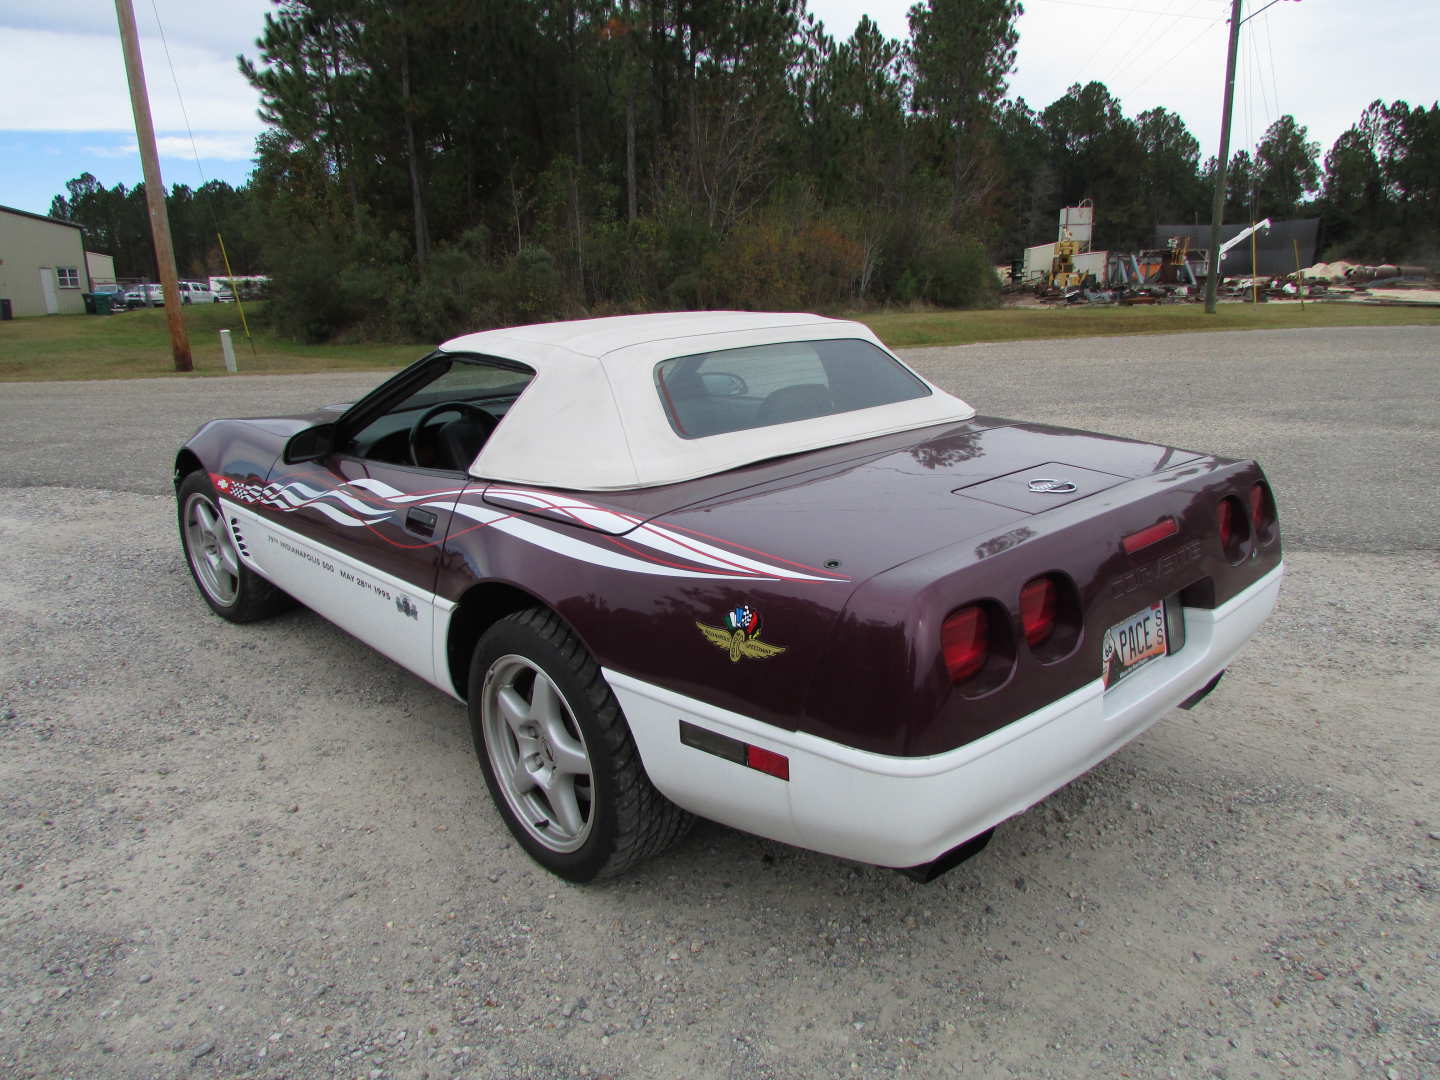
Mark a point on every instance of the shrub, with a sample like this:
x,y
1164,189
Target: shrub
x,y
769,264
529,288
330,279
958,274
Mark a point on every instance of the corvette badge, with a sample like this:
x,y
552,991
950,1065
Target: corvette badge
x,y
1047,486
741,636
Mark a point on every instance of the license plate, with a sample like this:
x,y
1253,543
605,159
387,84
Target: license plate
x,y
1133,642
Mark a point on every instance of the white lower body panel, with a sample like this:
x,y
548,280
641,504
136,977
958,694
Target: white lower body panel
x,y
407,624
902,811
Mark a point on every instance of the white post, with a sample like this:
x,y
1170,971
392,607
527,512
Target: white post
x,y
228,348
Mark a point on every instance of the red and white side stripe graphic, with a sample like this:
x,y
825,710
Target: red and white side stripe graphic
x,y
643,548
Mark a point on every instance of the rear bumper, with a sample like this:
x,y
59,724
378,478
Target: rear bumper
x,y
896,811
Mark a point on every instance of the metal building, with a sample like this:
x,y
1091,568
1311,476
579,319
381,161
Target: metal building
x,y
42,265
1282,249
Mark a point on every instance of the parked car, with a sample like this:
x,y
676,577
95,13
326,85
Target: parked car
x,y
746,566
196,292
114,294
245,286
144,296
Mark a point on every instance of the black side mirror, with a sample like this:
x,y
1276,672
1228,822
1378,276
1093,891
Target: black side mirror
x,y
311,444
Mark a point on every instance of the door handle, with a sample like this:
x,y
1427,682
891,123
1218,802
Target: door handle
x,y
420,522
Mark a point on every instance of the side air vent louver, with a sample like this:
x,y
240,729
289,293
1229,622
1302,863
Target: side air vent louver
x,y
239,537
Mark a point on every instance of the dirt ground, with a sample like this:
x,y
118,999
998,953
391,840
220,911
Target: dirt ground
x,y
266,852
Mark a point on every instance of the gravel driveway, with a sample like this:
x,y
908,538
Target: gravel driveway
x,y
266,852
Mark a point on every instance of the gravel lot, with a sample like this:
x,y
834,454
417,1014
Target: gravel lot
x,y
264,851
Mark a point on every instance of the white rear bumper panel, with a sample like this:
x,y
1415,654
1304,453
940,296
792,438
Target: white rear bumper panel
x,y
895,811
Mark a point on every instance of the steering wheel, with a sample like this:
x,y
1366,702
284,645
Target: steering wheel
x,y
488,422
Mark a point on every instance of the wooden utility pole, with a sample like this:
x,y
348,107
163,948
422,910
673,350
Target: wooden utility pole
x,y
154,186
1217,209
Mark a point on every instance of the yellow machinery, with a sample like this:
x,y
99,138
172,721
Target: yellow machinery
x,y
1063,274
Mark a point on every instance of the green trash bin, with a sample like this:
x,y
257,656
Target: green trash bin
x,y
104,303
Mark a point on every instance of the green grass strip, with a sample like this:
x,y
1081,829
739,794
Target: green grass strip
x,y
136,344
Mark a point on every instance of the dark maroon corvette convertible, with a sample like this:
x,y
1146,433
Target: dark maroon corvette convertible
x,y
745,566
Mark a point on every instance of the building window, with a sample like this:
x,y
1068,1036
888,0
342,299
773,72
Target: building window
x,y
69,277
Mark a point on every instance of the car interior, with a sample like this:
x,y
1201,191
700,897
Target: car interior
x,y
444,423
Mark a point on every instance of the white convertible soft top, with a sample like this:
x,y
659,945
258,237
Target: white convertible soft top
x,y
592,418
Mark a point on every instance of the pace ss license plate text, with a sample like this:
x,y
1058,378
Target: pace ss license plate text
x,y
1133,642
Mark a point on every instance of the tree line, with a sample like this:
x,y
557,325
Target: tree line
x,y
117,223
441,165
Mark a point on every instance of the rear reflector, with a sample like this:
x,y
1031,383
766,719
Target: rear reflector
x,y
1037,610
741,753
964,641
767,761
1139,541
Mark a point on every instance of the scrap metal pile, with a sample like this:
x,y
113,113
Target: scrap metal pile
x,y
1069,272
1386,283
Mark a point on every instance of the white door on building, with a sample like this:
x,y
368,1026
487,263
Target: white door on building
x,y
47,286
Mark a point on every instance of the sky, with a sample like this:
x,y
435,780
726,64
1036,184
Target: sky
x,y
65,107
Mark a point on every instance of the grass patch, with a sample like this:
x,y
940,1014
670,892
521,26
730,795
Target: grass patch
x,y
911,329
137,343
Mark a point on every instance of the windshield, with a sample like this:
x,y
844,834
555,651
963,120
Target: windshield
x,y
755,387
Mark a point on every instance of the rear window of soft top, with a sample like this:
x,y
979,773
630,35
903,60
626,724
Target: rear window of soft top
x,y
761,385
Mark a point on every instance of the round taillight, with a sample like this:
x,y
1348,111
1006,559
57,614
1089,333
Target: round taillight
x,y
1038,603
965,641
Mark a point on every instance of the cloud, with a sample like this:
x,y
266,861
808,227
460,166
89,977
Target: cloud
x,y
1321,62
53,81
62,68
130,149
208,147
225,27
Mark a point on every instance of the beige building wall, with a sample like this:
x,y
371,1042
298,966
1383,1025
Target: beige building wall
x,y
101,267
42,265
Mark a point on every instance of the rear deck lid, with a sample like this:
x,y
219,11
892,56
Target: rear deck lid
x,y
863,508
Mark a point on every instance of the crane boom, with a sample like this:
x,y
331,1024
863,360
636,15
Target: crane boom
x,y
1262,225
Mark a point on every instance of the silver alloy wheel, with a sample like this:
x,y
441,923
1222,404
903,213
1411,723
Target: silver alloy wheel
x,y
537,753
212,551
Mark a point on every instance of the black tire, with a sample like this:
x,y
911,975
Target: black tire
x,y
612,817
231,588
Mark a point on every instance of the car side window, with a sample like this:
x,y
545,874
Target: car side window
x,y
444,421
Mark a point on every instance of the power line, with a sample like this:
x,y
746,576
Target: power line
x,y
1111,7
1136,42
1090,60
179,97
195,150
154,184
1160,68
1251,68
1217,205
1144,40
1270,46
1257,74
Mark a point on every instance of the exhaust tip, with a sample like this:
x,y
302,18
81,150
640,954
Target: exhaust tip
x,y
928,872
